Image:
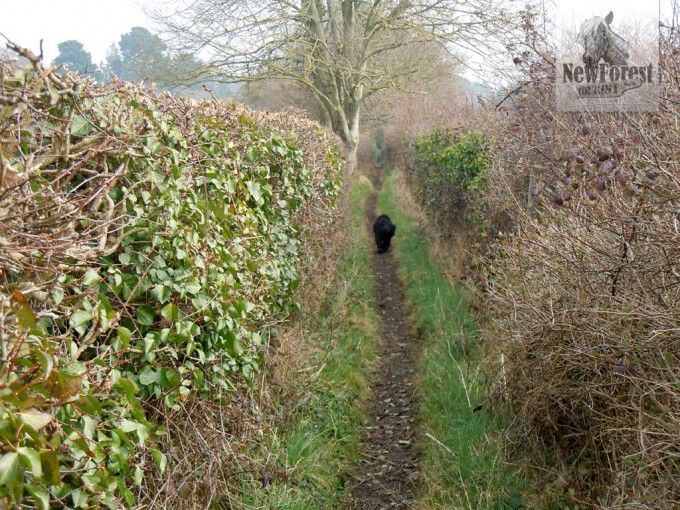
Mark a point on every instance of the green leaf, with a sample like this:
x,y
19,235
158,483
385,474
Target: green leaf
x,y
40,495
148,376
193,286
79,318
9,467
128,426
233,344
46,363
89,404
79,498
149,341
31,460
160,293
125,335
145,315
128,388
170,312
50,465
57,296
80,126
254,190
160,459
127,493
139,476
34,418
25,315
91,277
89,426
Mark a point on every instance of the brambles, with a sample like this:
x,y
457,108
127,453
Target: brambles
x,y
582,302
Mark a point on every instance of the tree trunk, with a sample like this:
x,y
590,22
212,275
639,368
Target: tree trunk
x,y
351,158
352,140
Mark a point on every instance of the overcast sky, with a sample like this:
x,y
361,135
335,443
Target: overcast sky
x,y
99,23
95,23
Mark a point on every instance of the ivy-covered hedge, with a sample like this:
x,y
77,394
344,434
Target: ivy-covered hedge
x,y
147,245
449,169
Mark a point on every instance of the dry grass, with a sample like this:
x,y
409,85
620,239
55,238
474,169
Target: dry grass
x,y
584,295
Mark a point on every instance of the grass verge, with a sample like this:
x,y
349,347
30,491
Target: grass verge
x,y
310,457
462,458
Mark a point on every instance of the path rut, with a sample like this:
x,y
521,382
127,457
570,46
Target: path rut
x,y
386,477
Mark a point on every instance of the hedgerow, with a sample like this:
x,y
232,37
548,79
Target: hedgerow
x,y
148,245
584,294
450,167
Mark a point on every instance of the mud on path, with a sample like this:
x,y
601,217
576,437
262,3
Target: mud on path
x,y
386,476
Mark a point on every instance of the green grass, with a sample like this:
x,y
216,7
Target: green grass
x,y
317,447
461,451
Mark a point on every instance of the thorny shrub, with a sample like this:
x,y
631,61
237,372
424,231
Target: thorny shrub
x,y
584,297
149,245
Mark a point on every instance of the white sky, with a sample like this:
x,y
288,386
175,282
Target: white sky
x,y
95,23
99,23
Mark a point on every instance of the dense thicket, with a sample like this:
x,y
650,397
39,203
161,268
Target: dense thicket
x,y
581,281
148,245
585,295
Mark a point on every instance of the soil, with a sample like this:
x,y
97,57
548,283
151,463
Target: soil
x,y
387,474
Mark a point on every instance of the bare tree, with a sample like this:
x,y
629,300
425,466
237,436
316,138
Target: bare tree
x,y
343,51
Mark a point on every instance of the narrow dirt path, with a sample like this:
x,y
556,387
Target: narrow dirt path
x,y
387,473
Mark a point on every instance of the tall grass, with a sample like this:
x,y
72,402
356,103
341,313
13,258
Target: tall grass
x,y
309,458
461,450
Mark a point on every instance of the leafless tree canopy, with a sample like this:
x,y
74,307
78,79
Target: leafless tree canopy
x,y
344,51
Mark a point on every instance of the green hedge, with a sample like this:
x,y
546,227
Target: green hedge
x,y
449,170
147,245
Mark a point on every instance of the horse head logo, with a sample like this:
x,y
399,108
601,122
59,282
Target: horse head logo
x,y
601,43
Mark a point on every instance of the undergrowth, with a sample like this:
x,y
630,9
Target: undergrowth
x,y
310,457
461,450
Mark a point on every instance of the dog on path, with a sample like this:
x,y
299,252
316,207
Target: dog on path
x,y
384,230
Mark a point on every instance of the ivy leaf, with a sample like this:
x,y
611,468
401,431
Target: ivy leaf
x,y
79,498
160,293
160,459
127,493
23,311
80,318
46,363
128,388
57,296
50,464
233,344
9,467
31,460
139,476
194,286
170,312
40,495
80,126
89,404
125,335
91,277
34,418
145,315
255,191
148,376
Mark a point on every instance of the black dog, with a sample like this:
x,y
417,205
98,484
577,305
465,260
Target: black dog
x,y
384,229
